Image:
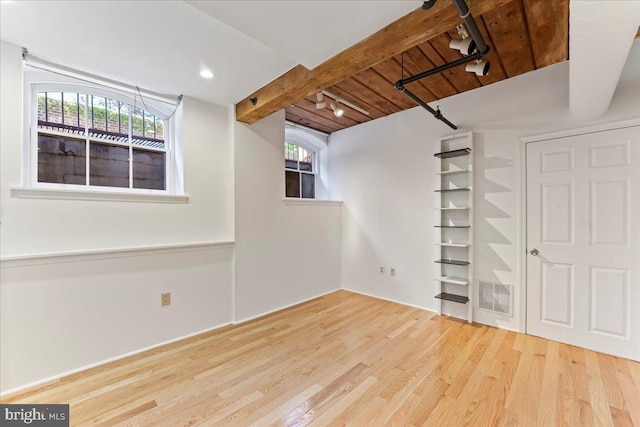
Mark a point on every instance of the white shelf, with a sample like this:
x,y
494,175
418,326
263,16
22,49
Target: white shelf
x,y
454,245
454,280
455,294
453,172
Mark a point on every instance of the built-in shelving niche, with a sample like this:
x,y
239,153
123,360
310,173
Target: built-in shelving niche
x,y
454,230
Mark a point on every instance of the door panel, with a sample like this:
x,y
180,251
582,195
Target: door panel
x,y
609,288
609,226
557,293
557,213
583,217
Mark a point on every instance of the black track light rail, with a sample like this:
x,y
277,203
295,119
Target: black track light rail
x,y
481,52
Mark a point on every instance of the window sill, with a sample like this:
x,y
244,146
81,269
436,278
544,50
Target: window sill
x,y
105,196
311,202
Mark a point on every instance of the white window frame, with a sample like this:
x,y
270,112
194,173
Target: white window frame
x,y
43,81
314,169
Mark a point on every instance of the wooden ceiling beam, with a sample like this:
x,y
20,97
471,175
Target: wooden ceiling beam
x,y
411,30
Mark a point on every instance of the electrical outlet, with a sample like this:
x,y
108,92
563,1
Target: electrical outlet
x,y
392,271
165,299
382,269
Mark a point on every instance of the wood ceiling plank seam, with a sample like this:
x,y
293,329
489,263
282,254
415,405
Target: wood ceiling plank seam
x,y
450,35
374,113
383,89
548,26
507,29
527,30
461,80
433,56
439,86
361,91
402,34
349,112
308,123
418,88
327,113
380,89
492,57
453,34
315,118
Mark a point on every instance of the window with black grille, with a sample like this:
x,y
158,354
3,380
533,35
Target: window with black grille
x,y
299,171
94,141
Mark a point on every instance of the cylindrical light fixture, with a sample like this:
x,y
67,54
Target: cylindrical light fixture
x,y
481,68
465,46
337,109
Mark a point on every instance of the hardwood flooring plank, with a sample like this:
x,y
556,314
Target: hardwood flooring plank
x,y
546,414
348,359
601,411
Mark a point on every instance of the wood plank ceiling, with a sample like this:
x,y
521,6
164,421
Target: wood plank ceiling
x,y
524,35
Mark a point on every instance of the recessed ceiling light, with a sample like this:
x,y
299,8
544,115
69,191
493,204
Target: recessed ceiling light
x,y
207,74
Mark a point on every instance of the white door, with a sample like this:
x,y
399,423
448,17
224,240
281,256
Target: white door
x,y
583,241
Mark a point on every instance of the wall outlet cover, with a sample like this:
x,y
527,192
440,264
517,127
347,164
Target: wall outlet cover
x,y
165,299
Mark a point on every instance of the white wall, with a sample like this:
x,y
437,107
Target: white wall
x,y
83,309
43,226
86,310
284,253
61,316
384,171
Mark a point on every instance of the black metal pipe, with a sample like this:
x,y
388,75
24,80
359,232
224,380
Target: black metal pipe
x,y
465,14
400,83
436,113
481,52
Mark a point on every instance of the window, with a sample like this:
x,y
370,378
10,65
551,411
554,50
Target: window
x,y
96,141
85,133
300,172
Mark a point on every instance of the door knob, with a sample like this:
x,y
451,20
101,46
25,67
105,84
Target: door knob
x,y
534,252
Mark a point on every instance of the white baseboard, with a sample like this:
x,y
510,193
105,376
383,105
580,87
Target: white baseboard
x,y
247,319
109,360
390,300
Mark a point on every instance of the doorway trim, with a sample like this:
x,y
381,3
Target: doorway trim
x,y
522,246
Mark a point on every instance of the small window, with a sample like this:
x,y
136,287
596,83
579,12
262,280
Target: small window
x,y
94,141
299,172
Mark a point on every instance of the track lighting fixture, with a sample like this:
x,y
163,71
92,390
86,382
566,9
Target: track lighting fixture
x,y
465,46
320,102
335,106
474,48
337,109
480,67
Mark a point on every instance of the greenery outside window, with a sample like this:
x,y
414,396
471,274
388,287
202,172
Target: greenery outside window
x,y
82,139
300,172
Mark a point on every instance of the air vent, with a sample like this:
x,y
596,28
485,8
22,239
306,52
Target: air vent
x,y
496,297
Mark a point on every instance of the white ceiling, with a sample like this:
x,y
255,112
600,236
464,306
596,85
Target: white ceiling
x,y
310,31
162,45
158,45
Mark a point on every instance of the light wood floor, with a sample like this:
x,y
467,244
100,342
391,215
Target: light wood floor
x,y
350,359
